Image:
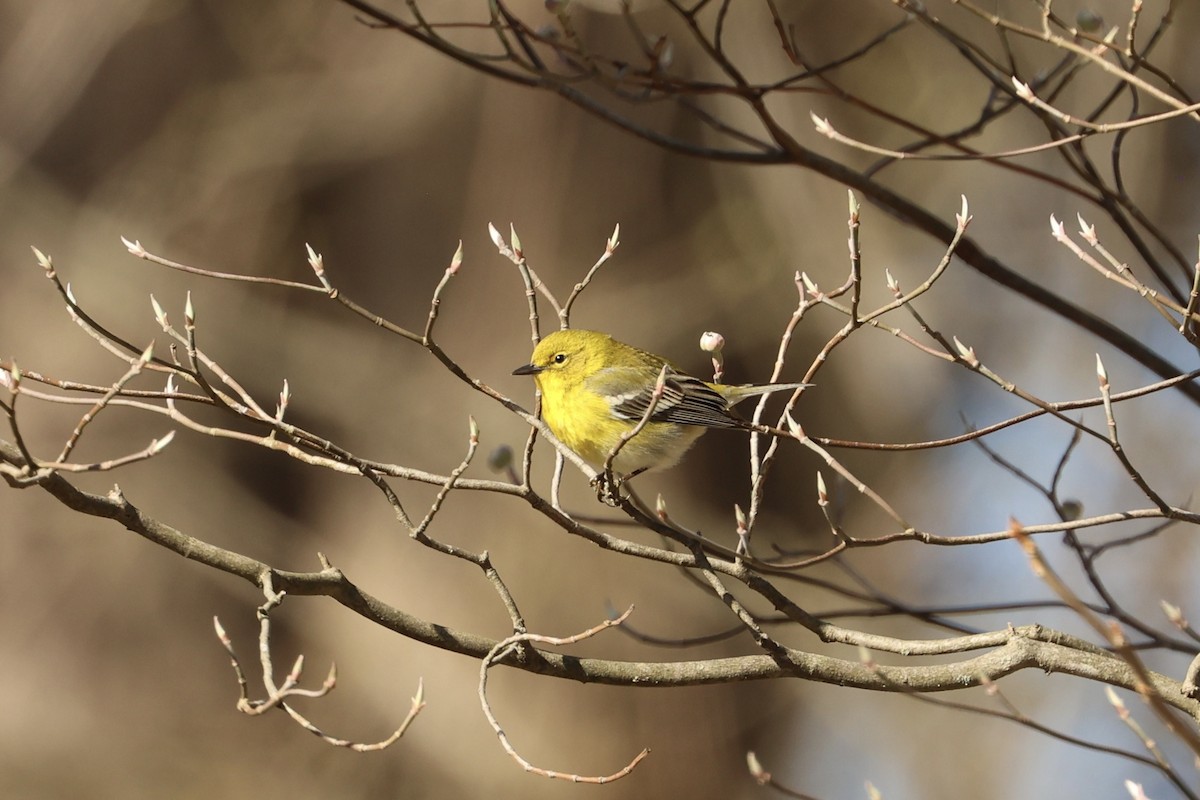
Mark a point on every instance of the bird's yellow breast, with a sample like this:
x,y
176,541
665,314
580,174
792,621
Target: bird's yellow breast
x,y
583,421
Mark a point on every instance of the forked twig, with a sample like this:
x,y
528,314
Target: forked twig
x,y
506,646
277,695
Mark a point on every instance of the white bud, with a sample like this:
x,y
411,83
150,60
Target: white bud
x,y
712,342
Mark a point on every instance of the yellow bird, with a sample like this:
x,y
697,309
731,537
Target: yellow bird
x,y
596,389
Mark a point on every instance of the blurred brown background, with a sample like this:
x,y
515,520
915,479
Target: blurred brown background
x,y
227,135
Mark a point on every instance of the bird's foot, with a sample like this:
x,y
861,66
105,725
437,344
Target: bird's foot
x,y
608,486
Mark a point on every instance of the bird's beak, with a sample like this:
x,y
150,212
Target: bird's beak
x,y
528,369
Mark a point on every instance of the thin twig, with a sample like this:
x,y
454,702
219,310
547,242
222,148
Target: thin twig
x,y
504,648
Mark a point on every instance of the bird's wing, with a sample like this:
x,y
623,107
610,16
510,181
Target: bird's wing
x,y
685,400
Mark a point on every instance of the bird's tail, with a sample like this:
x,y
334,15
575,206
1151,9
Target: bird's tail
x,y
737,394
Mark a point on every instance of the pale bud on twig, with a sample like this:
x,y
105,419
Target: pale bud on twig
x,y
967,353
1088,232
614,240
664,52
1056,229
852,204
1135,790
516,241
963,217
498,240
713,342
1114,700
1023,90
472,428
456,260
11,378
315,260
793,426
1174,614
892,284
157,445
743,532
822,124
661,383
285,394
189,313
159,314
1101,373
134,247
756,769
330,679
822,491
43,261
660,507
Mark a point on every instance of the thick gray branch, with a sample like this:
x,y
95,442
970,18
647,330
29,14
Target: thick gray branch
x,y
1022,648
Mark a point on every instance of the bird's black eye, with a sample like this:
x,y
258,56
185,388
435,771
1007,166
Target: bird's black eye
x,y
560,358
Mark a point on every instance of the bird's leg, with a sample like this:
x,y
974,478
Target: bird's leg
x,y
608,485
608,489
